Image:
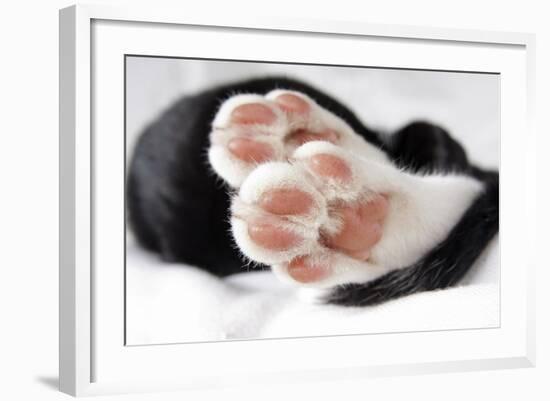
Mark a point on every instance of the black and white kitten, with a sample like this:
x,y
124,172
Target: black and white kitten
x,y
309,191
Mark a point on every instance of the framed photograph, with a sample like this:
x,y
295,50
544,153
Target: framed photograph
x,y
248,199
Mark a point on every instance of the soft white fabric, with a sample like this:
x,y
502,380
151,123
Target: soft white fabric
x,y
177,303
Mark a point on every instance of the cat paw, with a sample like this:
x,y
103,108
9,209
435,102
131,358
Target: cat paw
x,y
249,130
312,218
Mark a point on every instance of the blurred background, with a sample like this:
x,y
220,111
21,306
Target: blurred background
x,y
466,104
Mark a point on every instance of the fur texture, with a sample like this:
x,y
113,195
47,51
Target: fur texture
x,y
180,209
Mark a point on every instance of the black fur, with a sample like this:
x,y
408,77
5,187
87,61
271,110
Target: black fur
x,y
179,208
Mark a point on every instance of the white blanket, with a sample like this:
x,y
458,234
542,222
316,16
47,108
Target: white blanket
x,y
178,303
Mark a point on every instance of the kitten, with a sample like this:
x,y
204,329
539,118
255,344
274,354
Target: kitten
x,y
281,173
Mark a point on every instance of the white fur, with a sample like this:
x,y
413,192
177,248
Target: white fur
x,y
422,209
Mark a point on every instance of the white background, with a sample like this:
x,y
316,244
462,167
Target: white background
x,y
28,215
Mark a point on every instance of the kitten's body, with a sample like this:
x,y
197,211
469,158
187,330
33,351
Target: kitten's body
x,y
179,208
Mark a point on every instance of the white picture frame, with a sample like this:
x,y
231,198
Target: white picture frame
x,y
93,357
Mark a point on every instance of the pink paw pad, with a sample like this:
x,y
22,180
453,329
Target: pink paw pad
x,y
250,151
330,166
268,233
286,201
361,229
271,236
305,270
245,148
253,113
292,103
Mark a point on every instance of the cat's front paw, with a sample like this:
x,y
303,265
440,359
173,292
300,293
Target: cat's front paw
x,y
311,218
251,129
